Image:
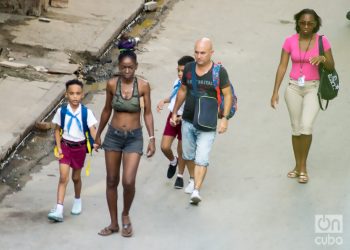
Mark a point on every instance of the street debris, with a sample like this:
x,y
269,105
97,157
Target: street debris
x,y
63,68
44,19
40,69
10,64
44,126
151,6
59,3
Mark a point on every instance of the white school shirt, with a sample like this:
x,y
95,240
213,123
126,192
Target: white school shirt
x,y
172,101
74,133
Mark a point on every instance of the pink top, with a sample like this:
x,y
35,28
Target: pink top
x,y
300,61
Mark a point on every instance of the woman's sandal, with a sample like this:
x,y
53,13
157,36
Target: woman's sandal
x,y
293,174
127,228
108,231
303,177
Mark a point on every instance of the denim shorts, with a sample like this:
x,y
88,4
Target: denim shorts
x,y
196,144
123,141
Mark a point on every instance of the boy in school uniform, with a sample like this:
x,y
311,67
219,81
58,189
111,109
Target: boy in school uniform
x,y
71,145
171,132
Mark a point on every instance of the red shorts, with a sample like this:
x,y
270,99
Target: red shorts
x,y
172,131
73,154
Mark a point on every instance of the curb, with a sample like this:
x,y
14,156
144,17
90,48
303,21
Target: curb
x,y
53,97
109,29
49,101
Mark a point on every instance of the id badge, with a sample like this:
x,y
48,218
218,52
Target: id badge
x,y
301,81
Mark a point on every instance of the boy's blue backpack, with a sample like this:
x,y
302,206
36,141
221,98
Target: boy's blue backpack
x,y
86,130
220,96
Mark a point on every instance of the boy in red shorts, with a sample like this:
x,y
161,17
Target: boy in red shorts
x,y
171,132
71,145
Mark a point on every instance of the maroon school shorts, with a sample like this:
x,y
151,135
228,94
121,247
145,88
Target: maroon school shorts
x,y
74,153
172,131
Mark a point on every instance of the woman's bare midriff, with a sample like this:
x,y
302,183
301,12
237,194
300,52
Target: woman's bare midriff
x,y
126,121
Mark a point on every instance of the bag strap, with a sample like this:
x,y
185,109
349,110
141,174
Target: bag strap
x,y
216,81
63,114
84,114
320,52
320,67
194,79
320,45
320,102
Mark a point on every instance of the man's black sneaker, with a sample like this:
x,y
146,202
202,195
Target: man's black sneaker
x,y
179,183
172,170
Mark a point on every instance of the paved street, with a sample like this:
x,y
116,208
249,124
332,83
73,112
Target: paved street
x,y
248,202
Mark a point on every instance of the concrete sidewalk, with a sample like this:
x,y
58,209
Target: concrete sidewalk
x,y
82,27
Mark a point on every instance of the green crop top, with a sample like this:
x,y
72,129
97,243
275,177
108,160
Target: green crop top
x,y
131,105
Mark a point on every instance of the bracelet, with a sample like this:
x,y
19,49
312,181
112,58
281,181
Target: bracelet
x,y
151,137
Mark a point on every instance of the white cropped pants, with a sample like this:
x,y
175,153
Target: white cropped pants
x,y
303,106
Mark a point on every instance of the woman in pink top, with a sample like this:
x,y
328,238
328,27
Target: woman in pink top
x,y
301,93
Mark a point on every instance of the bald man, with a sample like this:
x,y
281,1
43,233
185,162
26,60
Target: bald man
x,y
196,144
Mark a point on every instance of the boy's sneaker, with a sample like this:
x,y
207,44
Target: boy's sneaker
x,y
54,215
179,183
195,198
190,187
76,209
172,169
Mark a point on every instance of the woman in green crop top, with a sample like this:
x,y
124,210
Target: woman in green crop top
x,y
124,140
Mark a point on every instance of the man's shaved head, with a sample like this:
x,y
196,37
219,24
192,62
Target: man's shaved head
x,y
206,42
203,50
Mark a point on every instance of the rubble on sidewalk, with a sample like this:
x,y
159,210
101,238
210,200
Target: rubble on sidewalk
x,y
59,3
12,64
151,6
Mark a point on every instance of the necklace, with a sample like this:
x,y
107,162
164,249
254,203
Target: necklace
x,y
302,62
125,92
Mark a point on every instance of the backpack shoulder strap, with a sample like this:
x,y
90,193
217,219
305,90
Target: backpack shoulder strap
x,y
216,81
216,74
194,78
63,114
84,114
89,139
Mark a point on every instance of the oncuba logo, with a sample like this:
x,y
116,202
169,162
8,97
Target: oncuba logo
x,y
329,226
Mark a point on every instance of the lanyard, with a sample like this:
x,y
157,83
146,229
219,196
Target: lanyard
x,y
303,61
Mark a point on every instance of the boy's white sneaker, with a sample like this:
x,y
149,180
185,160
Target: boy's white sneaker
x,y
76,209
195,197
190,187
54,215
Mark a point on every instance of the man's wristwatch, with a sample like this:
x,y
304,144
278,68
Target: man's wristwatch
x,y
226,117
